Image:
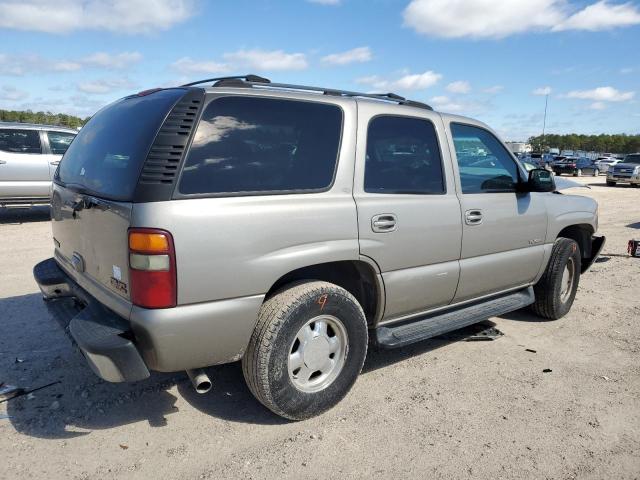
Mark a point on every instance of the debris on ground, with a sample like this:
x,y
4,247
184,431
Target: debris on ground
x,y
123,446
530,350
547,370
9,391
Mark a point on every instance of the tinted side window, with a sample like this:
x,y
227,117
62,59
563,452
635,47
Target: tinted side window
x,y
249,144
20,141
485,165
402,157
59,142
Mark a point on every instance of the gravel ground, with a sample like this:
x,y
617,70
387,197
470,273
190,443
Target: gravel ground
x,y
440,409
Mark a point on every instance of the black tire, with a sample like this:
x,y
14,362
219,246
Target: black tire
x,y
611,184
596,172
265,363
549,302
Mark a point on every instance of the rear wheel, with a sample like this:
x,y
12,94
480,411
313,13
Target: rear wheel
x,y
596,172
556,290
578,173
307,349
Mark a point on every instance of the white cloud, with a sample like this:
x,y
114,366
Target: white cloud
x,y
186,65
627,70
417,81
33,63
116,61
498,19
119,16
356,55
105,85
542,91
494,89
444,103
459,87
267,60
602,94
12,94
601,16
326,2
598,106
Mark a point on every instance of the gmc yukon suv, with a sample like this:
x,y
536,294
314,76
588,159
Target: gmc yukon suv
x,y
287,226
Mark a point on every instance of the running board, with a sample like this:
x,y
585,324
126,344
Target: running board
x,y
430,326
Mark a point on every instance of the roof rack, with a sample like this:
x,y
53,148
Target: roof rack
x,y
257,81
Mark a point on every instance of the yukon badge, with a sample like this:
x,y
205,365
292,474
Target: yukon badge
x,y
77,262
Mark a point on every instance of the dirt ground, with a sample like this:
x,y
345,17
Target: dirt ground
x,y
440,409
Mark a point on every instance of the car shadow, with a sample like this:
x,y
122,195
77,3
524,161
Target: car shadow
x,y
635,225
36,352
17,216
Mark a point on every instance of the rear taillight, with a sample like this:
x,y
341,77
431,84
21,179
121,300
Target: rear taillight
x,y
152,268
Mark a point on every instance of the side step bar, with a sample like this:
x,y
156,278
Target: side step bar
x,y
429,326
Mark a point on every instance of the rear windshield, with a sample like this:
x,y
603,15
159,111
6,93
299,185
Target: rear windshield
x,y
106,157
262,145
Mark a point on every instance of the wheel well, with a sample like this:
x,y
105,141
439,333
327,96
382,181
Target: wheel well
x,y
582,235
356,277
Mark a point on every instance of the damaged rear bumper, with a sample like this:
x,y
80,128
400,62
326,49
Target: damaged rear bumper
x,y
104,338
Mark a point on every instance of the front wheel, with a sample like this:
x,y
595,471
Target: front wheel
x,y
596,172
307,349
556,290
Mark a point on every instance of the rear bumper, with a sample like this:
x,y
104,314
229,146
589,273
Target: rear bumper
x,y
122,349
104,338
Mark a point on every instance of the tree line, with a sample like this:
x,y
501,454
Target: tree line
x,y
620,143
47,118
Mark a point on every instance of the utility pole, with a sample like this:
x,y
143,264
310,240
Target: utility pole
x,y
544,121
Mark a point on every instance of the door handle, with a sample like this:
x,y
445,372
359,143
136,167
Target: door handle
x,y
55,162
384,223
473,217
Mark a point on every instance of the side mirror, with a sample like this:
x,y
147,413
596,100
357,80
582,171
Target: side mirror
x,y
540,180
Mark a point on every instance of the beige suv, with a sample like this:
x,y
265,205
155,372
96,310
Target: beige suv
x,y
287,226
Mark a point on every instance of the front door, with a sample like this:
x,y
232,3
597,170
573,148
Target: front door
x,y
503,230
408,213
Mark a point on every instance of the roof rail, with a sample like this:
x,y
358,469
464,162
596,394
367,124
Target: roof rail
x,y
249,78
257,81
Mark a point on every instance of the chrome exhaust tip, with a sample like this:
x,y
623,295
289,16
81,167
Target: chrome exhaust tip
x,y
200,380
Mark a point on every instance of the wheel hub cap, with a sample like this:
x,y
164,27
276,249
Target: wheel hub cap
x,y
317,353
566,284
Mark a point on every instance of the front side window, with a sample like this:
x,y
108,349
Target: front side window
x,y
485,165
252,144
20,141
59,142
403,157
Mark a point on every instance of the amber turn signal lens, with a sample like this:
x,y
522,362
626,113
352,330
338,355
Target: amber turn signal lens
x,y
148,242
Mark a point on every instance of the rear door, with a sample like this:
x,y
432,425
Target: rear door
x,y
408,212
503,230
24,172
95,189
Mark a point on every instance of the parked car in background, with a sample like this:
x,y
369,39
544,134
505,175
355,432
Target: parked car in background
x,y
628,171
605,163
576,167
29,156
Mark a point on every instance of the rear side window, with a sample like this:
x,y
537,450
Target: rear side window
x,y
250,144
485,165
20,141
59,142
402,157
107,155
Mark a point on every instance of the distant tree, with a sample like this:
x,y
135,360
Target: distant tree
x,y
47,118
617,143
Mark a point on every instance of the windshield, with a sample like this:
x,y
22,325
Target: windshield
x,y
106,157
635,158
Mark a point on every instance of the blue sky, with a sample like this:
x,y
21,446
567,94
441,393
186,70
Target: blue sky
x,y
490,59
